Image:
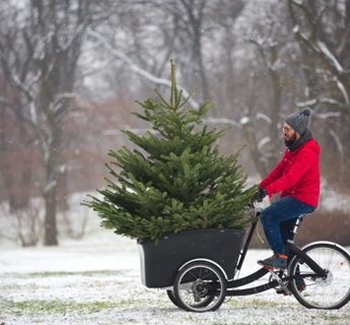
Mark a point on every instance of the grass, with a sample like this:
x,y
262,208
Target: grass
x,y
113,297
157,305
65,274
252,302
63,306
57,306
37,307
335,316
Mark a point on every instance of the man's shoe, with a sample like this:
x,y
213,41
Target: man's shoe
x,y
269,259
277,261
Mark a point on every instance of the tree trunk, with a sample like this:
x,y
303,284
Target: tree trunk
x,y
50,190
50,235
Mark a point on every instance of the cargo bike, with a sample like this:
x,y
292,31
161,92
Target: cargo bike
x,y
200,268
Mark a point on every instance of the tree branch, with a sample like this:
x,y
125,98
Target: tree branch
x,y
135,68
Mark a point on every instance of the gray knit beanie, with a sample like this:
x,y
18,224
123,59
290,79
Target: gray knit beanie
x,y
299,120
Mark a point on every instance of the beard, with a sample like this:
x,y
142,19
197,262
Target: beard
x,y
289,143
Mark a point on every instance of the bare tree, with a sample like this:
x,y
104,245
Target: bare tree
x,y
322,30
266,98
40,44
197,23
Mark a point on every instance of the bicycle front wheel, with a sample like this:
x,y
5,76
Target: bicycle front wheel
x,y
312,291
200,286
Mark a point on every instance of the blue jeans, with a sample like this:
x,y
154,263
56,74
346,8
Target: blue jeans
x,y
279,220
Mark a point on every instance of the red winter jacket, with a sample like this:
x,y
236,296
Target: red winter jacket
x,y
297,174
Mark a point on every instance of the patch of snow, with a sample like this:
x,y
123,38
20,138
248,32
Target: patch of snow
x,y
105,270
97,281
343,90
325,50
244,120
263,141
264,117
327,115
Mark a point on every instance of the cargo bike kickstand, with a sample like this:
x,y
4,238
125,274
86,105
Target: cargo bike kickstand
x,y
199,276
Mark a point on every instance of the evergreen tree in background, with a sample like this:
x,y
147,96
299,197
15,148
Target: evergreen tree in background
x,y
176,180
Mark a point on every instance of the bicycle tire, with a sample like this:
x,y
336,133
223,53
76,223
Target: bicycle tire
x,y
333,292
172,298
193,285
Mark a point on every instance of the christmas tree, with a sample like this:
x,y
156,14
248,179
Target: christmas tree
x,y
175,179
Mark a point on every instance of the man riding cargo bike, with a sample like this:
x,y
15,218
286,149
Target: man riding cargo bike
x,y
297,176
318,275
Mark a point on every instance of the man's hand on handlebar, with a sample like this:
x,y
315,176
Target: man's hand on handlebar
x,y
260,194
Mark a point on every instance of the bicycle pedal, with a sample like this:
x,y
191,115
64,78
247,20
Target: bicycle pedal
x,y
277,275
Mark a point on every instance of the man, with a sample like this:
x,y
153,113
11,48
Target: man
x,y
297,177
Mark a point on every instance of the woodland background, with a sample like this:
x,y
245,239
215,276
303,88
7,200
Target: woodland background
x,y
70,71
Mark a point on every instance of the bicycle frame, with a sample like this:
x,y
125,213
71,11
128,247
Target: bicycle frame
x,y
202,284
280,278
307,259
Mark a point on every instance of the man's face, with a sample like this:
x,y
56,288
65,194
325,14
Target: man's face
x,y
289,134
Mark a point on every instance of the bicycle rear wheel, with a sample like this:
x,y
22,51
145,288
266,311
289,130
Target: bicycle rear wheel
x,y
332,292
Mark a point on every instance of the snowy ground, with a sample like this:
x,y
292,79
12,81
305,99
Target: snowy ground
x,y
97,281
